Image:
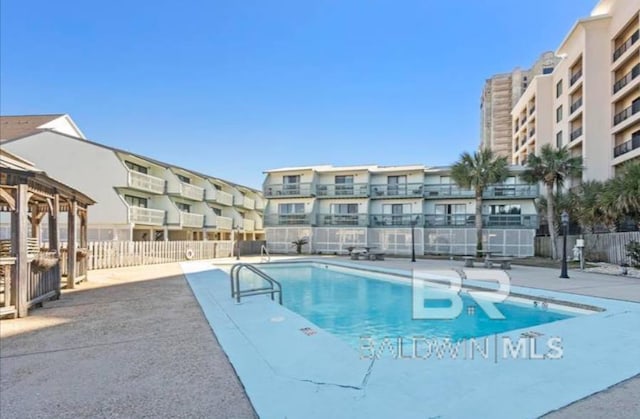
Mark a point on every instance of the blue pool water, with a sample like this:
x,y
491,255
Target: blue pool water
x,y
351,306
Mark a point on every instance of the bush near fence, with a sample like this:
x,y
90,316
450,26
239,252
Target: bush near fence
x,y
601,247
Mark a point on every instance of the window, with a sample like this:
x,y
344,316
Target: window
x,y
183,207
291,179
218,187
452,214
136,167
136,201
559,88
217,211
291,208
559,139
344,208
559,114
344,185
547,70
396,180
502,209
183,179
445,180
291,185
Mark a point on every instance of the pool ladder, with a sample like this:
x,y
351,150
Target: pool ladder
x,y
234,275
264,254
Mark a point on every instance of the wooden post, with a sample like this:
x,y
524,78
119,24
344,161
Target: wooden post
x,y
54,228
35,223
71,243
54,235
83,241
19,239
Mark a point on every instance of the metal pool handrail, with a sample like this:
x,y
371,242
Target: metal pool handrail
x,y
234,276
264,254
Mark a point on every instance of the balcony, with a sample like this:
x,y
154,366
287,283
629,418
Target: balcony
x,y
575,105
626,113
488,221
575,77
188,219
626,45
627,146
405,190
447,190
576,133
395,220
343,190
627,78
248,224
144,182
188,191
353,220
259,224
271,220
510,221
289,190
224,223
247,203
449,220
523,190
259,205
146,216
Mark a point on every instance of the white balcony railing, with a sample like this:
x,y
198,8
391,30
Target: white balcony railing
x,y
188,219
190,191
249,225
224,223
248,203
224,198
147,216
144,182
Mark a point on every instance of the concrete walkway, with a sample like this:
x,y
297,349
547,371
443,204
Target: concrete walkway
x,y
132,342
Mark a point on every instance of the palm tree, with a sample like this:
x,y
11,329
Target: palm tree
x,y
620,197
476,172
552,167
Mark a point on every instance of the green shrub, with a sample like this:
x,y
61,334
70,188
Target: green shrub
x,y
633,252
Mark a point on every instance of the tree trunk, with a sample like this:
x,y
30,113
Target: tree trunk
x,y
479,223
551,221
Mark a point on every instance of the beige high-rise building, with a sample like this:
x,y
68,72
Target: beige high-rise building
x,y
500,94
591,101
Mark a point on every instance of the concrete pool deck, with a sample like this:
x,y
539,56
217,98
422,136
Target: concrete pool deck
x,y
107,349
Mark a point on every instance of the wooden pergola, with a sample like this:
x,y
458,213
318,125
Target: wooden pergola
x,y
31,272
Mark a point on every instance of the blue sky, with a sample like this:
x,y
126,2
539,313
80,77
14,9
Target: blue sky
x,y
234,87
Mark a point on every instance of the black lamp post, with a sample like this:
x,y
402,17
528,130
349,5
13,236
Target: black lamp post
x,y
564,218
413,238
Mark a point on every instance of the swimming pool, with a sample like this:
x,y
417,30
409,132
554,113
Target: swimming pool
x,y
352,304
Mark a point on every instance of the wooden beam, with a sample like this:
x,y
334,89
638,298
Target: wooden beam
x,y
71,244
20,234
10,200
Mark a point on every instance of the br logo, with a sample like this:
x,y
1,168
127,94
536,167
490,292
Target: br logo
x,y
437,293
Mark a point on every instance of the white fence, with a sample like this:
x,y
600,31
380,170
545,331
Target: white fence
x,y
602,247
117,254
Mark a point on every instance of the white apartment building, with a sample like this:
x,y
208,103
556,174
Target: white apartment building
x,y
591,101
375,206
139,198
499,95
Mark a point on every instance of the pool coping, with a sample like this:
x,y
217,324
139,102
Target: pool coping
x,y
337,379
